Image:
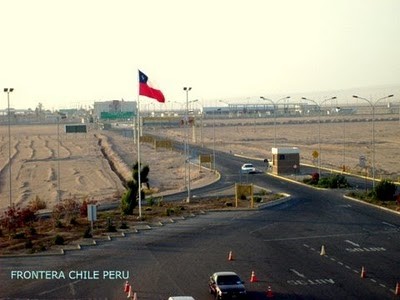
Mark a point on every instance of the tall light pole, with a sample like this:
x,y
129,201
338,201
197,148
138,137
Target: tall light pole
x,y
58,161
372,104
8,91
274,103
338,109
319,127
218,109
187,162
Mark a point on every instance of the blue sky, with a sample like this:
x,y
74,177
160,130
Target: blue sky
x,y
69,53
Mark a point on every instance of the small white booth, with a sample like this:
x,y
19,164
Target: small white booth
x,y
286,160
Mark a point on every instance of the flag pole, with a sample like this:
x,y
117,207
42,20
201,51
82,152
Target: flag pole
x,y
138,150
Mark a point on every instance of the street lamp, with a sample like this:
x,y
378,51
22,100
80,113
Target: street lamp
x,y
187,159
274,103
372,104
319,127
218,109
8,91
338,109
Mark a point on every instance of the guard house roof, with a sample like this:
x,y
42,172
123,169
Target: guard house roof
x,y
291,150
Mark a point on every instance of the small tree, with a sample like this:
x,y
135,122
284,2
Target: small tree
x,y
385,190
130,199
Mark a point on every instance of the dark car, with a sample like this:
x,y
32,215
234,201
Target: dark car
x,y
227,285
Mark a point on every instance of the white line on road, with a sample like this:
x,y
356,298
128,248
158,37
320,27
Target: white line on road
x,y
313,237
352,243
386,223
327,236
298,273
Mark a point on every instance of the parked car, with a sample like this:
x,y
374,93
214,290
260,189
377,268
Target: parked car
x,y
227,285
248,168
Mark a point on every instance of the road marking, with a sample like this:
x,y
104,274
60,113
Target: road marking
x,y
373,280
352,243
332,259
382,285
386,223
311,282
320,236
366,249
298,273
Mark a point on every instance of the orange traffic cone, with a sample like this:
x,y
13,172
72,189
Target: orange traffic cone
x,y
134,296
230,256
397,290
363,272
322,250
269,292
130,293
253,277
126,287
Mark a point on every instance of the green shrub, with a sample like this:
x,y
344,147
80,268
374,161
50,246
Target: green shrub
x,y
257,199
333,181
88,233
385,190
32,230
28,244
150,201
124,225
59,240
58,224
19,235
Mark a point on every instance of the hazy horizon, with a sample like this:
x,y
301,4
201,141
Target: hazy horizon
x,y
66,54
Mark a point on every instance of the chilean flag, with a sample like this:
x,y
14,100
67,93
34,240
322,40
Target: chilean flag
x,y
145,89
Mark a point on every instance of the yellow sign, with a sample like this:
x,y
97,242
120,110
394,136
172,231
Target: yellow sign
x,y
315,154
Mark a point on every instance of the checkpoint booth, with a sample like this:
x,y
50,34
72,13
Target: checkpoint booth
x,y
285,160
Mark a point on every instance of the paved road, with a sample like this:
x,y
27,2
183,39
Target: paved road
x,y
281,244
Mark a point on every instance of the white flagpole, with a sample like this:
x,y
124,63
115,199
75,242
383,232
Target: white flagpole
x,y
138,151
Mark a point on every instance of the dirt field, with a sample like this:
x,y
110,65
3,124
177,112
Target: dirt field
x,y
38,159
76,165
343,140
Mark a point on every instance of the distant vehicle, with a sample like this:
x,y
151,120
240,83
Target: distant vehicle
x,y
181,298
227,285
248,168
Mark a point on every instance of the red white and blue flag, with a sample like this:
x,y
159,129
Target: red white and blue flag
x,y
145,89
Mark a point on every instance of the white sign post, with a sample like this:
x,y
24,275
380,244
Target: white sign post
x,y
92,214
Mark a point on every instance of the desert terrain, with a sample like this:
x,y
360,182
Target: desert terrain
x,y
45,159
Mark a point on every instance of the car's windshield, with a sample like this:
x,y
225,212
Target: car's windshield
x,y
248,166
228,280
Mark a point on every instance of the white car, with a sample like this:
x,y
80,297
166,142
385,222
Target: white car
x,y
248,168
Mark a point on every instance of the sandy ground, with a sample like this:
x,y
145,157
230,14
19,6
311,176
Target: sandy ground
x,y
40,165
44,161
342,140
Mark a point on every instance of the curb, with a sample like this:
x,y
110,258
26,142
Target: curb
x,y
137,228
372,205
